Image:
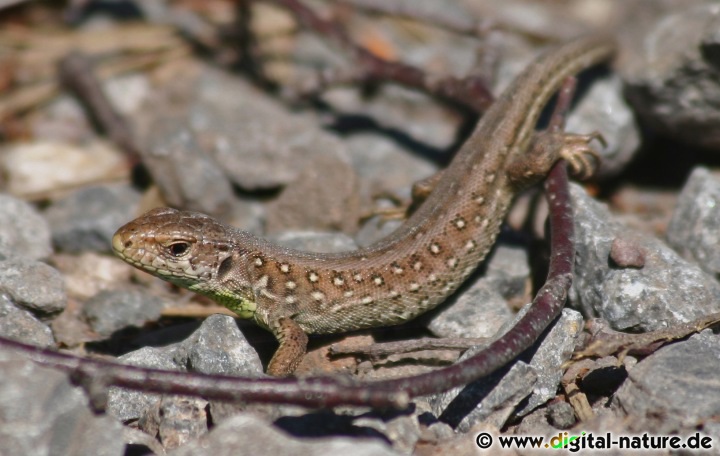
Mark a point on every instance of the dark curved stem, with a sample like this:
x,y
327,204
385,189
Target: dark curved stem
x,y
469,92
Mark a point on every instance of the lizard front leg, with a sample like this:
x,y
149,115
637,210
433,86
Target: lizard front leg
x,y
293,345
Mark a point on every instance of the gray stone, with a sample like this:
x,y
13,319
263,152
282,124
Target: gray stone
x,y
498,395
490,399
248,435
695,225
670,71
324,196
375,229
561,415
217,347
482,309
405,115
24,232
43,414
403,431
176,420
185,175
33,285
248,215
111,310
677,382
21,325
508,271
385,163
127,405
534,423
554,350
88,218
259,143
665,291
312,241
603,109
478,312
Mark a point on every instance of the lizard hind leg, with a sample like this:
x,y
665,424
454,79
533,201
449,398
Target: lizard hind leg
x,y
547,148
293,345
420,191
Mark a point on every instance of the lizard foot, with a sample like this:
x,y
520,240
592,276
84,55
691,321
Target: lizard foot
x,y
582,158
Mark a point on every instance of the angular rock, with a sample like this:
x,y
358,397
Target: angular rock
x,y
385,163
667,289
24,232
34,286
141,442
492,398
678,382
497,395
128,405
324,196
248,215
186,176
553,351
676,91
312,241
176,420
43,413
112,310
693,230
508,271
217,347
403,431
482,309
375,229
478,312
603,109
246,434
561,415
88,218
89,273
21,325
260,144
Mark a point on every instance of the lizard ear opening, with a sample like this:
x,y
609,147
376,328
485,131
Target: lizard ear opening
x,y
225,267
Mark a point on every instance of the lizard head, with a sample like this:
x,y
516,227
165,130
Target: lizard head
x,y
188,249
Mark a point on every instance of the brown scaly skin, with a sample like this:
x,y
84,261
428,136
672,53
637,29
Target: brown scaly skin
x,y
293,293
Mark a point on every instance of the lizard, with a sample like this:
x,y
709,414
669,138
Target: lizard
x,y
293,293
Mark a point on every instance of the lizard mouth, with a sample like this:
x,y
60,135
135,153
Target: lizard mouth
x,y
119,245
123,249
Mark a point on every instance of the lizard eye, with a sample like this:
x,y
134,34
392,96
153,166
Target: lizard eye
x,y
178,249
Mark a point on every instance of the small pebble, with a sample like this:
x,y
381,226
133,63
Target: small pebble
x,y
627,254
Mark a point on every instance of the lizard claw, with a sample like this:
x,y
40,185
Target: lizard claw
x,y
582,158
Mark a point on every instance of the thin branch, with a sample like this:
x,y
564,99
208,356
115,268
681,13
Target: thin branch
x,y
78,75
407,346
469,92
309,392
409,9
